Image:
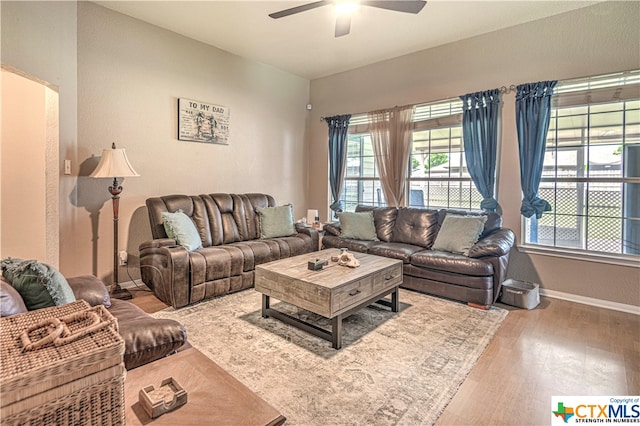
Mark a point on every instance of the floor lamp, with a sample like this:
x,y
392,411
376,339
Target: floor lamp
x,y
115,164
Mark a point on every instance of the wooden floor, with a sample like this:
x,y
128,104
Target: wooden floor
x,y
560,348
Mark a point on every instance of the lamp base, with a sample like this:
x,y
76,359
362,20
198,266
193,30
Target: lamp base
x,y
118,292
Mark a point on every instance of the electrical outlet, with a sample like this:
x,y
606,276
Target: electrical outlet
x,y
123,257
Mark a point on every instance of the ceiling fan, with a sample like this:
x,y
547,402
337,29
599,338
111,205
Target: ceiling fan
x,y
344,9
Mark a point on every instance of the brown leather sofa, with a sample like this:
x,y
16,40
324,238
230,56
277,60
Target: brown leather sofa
x,y
146,338
229,228
408,234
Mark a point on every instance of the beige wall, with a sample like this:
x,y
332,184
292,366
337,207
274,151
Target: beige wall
x,y
39,39
130,76
26,200
595,40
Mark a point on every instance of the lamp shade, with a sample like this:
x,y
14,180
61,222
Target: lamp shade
x,y
113,164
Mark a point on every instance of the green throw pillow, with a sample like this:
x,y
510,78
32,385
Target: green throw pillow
x,y
39,284
459,233
276,221
359,226
181,228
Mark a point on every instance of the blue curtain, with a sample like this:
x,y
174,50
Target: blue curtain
x,y
533,113
480,136
338,126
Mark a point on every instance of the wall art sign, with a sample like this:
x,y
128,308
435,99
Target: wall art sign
x,y
202,122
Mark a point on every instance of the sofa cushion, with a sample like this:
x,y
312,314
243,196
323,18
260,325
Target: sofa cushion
x,y
451,263
358,226
181,228
40,285
262,251
459,233
276,221
384,219
211,263
293,246
361,246
146,338
10,300
415,226
395,250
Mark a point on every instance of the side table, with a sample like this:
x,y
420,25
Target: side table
x,y
213,395
320,228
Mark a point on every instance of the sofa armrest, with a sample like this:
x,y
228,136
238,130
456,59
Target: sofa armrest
x,y
332,228
312,232
496,244
160,242
164,268
90,289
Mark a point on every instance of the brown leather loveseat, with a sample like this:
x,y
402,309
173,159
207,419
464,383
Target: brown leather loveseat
x,y
146,339
229,230
408,234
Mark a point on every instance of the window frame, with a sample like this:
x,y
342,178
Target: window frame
x,y
597,92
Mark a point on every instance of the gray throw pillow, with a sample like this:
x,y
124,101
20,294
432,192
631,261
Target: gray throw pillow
x,y
358,226
276,221
459,233
39,284
181,228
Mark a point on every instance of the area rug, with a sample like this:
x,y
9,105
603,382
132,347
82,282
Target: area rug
x,y
394,368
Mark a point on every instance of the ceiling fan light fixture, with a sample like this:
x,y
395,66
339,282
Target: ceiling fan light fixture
x,y
346,7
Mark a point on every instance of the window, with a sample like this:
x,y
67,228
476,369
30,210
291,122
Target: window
x,y
361,181
591,173
438,176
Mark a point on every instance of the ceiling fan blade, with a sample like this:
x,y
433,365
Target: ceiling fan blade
x,y
343,25
298,9
406,6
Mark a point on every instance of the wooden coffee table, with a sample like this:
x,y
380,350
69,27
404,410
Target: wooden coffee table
x,y
335,292
214,397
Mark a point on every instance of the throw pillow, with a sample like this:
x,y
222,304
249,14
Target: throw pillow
x,y
181,228
359,226
11,302
276,221
459,233
384,218
39,284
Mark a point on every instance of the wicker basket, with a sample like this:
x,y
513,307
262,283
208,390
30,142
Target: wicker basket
x,y
62,365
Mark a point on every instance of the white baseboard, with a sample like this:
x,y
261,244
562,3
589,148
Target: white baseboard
x,y
606,304
631,309
132,285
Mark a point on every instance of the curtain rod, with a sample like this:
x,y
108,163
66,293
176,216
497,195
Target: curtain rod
x,y
503,90
361,113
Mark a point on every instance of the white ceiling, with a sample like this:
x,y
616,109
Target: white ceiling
x,y
304,44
